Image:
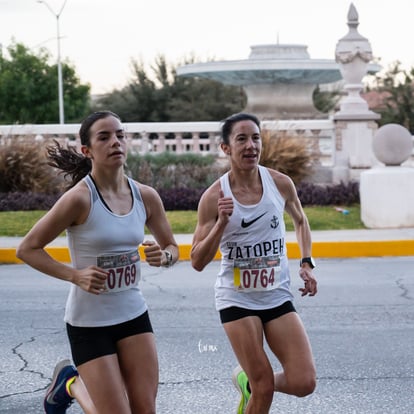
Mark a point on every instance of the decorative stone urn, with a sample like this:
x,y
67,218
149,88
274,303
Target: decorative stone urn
x,y
353,53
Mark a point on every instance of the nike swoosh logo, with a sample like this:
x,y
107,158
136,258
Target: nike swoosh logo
x,y
245,224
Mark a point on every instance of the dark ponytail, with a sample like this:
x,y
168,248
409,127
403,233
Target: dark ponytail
x,y
69,161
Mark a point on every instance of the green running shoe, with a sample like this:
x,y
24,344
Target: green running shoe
x,y
241,381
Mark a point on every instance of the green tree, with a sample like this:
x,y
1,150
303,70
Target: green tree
x,y
396,86
135,102
28,89
167,97
197,99
325,101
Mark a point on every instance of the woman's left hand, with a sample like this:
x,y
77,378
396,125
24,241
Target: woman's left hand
x,y
153,253
311,285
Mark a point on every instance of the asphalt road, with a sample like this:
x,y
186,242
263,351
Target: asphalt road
x,y
361,326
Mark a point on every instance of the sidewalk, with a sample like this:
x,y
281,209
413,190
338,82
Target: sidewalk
x,y
326,243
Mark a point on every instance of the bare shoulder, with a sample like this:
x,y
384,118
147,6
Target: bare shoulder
x,y
153,204
212,194
148,193
72,208
283,182
76,203
77,197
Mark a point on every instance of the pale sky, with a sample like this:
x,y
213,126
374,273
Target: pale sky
x,y
99,37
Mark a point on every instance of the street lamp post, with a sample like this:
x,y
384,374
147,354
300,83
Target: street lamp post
x,y
59,65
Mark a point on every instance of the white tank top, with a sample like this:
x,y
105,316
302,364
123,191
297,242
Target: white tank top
x,y
253,232
105,232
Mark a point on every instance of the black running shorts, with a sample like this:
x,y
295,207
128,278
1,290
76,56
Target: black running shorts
x,y
233,313
94,342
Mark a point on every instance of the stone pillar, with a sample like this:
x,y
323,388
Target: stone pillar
x,y
196,142
213,143
353,149
355,123
179,142
161,142
145,142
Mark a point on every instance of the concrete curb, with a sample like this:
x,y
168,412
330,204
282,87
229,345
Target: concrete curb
x,y
320,249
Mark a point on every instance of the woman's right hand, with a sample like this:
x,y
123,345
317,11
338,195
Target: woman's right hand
x,y
91,279
225,206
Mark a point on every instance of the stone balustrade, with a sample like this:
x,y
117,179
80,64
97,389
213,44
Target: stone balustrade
x,y
179,137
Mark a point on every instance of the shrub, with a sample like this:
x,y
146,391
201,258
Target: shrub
x,y
322,195
28,183
287,154
188,198
23,168
170,171
180,198
26,201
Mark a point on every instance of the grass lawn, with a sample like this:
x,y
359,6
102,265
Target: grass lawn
x,y
18,223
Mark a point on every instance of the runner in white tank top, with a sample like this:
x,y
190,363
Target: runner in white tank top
x,y
253,232
108,326
242,215
88,241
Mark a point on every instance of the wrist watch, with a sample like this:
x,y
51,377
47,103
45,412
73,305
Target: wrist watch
x,y
169,257
308,260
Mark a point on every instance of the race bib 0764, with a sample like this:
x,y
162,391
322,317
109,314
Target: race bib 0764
x,y
124,270
257,274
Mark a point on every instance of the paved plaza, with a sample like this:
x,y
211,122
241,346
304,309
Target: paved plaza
x,y
361,326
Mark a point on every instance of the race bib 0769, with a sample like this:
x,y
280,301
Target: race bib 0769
x,y
257,274
124,270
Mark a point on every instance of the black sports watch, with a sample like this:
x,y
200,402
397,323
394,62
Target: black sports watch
x,y
169,257
308,260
